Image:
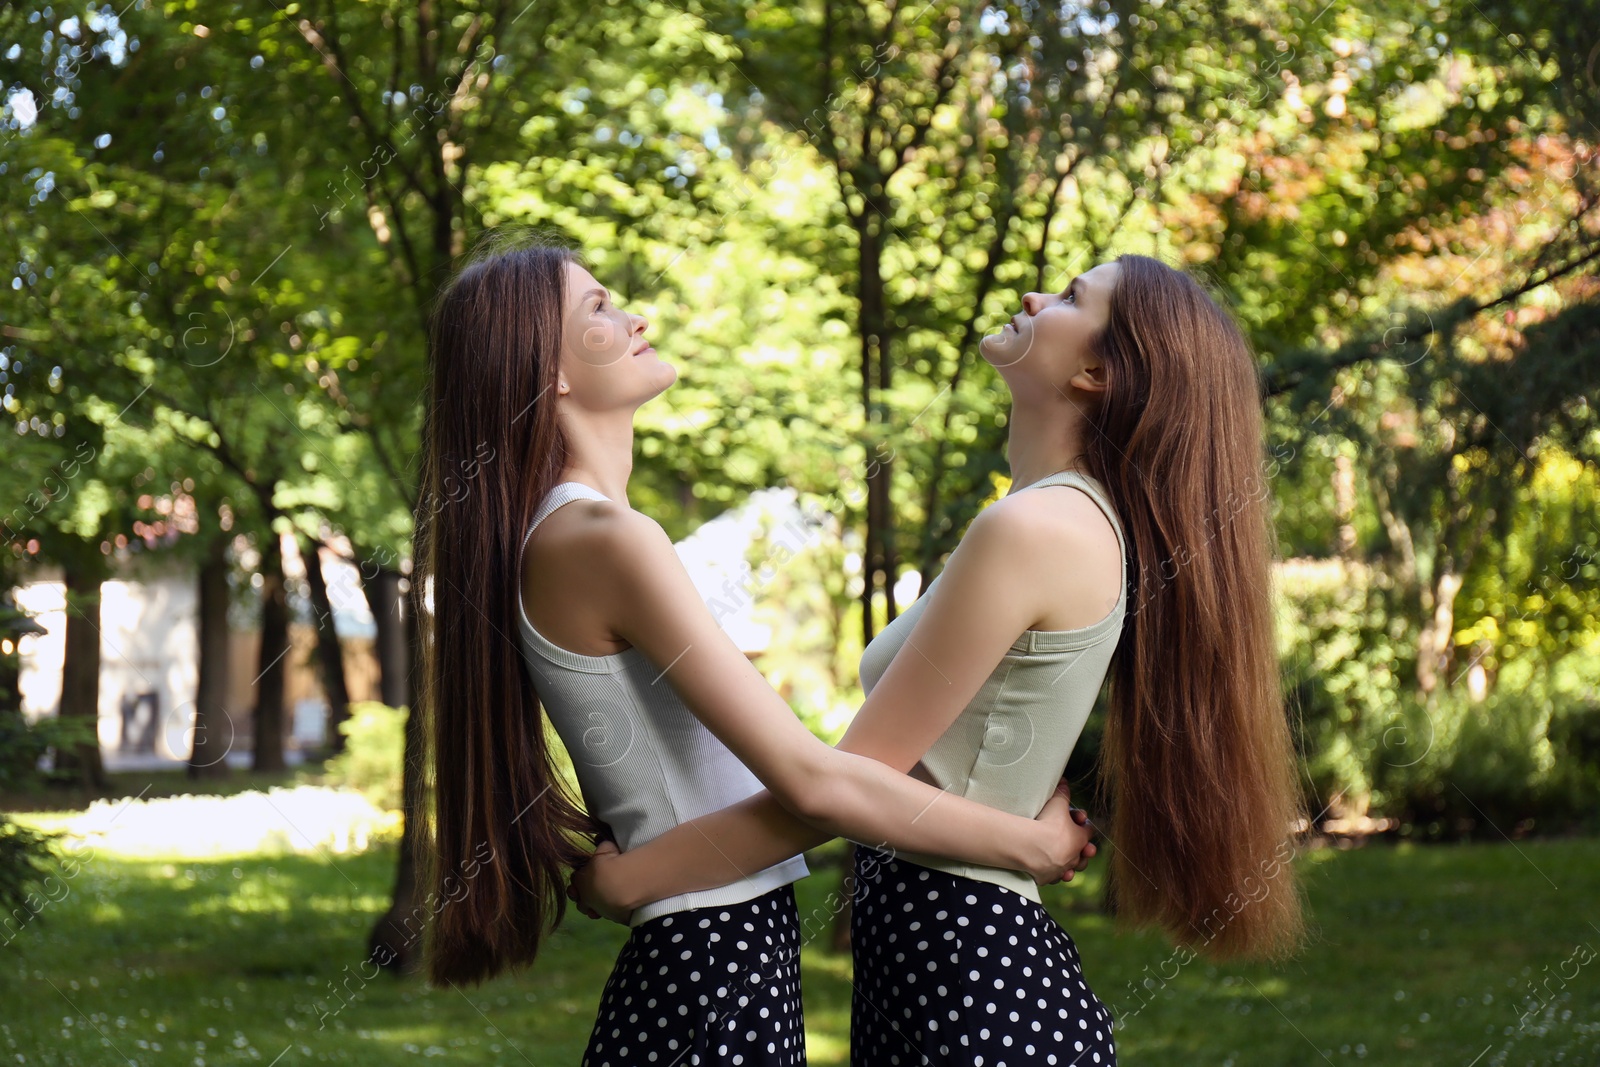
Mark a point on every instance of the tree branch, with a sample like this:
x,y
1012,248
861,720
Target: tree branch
x,y
333,60
1282,376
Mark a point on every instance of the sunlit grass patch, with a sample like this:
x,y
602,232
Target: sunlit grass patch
x,y
1423,956
301,818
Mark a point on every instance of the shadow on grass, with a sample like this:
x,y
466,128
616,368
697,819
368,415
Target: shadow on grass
x,y
1424,956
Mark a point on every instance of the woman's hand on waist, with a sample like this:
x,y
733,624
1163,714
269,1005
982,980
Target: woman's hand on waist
x,y
597,886
1065,846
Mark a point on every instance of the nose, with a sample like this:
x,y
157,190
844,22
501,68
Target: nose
x,y
1032,302
639,323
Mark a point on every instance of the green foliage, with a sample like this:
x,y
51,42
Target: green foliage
x,y
373,758
1470,767
1574,735
26,859
20,752
25,855
22,744
821,208
1342,656
1522,757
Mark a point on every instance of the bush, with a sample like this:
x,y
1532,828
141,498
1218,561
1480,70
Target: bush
x,y
25,853
374,753
21,746
1574,786
1342,667
25,859
1510,763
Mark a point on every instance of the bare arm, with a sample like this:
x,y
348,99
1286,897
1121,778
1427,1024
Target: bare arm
x,y
983,602
759,831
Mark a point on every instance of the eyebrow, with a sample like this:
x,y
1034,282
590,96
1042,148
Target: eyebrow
x,y
592,292
1073,284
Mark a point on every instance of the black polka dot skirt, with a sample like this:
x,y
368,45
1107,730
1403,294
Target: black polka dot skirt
x,y
708,986
951,970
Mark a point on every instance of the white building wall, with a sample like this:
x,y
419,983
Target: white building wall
x,y
148,664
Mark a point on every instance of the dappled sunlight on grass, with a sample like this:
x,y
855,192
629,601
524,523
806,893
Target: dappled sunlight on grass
x,y
241,960
303,818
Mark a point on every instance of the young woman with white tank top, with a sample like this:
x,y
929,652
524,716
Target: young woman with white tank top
x,y
1135,434
547,600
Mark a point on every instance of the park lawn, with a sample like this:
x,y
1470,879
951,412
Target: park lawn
x,y
1424,955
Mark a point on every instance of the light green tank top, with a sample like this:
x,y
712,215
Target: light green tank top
x,y
1009,746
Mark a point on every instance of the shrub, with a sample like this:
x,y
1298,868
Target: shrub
x,y
1342,666
20,749
374,753
1574,785
25,859
25,854
1513,762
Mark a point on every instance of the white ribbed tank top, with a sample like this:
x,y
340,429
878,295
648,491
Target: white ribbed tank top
x,y
644,762
1009,746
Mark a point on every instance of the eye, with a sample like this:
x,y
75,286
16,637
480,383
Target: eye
x,y
1071,297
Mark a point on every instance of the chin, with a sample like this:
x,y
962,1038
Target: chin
x,y
989,345
1005,352
663,379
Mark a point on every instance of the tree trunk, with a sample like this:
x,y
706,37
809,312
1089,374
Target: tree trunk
x,y
878,555
1434,644
328,650
213,729
269,716
889,564
395,943
80,669
383,597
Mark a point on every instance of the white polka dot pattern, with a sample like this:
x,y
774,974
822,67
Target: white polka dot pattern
x,y
955,971
713,987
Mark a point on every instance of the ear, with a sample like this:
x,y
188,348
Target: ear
x,y
562,388
1091,378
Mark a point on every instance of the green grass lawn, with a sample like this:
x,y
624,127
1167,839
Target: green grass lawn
x,y
1425,955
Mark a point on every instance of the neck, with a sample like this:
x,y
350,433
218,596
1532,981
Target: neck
x,y
600,451
1045,437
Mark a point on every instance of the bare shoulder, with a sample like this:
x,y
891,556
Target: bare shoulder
x,y
599,532
587,568
1065,520
1055,545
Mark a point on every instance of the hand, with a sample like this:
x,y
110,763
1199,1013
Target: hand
x,y
1066,831
1080,817
591,885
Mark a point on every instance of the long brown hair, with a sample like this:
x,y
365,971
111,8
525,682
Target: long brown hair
x,y
1204,787
504,827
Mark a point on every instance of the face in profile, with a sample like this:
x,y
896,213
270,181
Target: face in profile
x,y
606,362
1048,344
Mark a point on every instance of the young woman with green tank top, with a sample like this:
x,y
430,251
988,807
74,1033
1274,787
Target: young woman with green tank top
x,y
1133,547
545,600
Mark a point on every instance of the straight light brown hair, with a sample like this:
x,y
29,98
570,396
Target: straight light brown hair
x,y
1198,750
504,826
